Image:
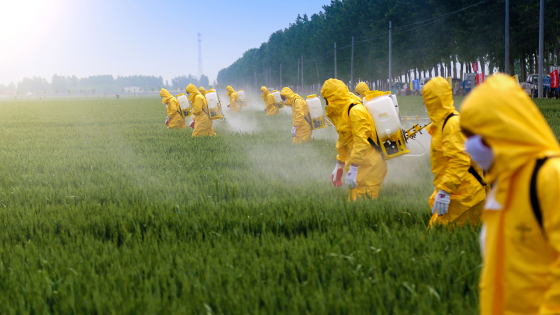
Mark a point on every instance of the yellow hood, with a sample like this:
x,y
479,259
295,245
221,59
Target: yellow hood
x,y
438,98
193,91
338,97
166,96
362,89
290,96
202,91
265,93
512,125
229,90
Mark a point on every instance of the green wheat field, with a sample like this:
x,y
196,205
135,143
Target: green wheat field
x,y
104,211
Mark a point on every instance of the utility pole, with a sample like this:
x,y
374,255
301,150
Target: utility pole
x,y
302,74
541,48
352,68
256,85
317,68
280,88
335,60
270,76
390,33
265,77
506,67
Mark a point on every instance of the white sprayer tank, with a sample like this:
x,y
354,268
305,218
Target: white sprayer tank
x,y
315,112
213,107
277,97
384,114
394,98
183,102
241,95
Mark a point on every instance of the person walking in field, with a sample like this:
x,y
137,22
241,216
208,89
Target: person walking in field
x,y
520,237
357,147
175,119
234,103
301,124
202,91
460,189
362,88
203,125
271,109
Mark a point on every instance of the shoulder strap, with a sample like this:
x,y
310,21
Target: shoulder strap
x,y
533,192
446,119
477,176
374,144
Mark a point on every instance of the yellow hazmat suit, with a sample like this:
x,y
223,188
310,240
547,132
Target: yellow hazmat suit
x,y
234,103
450,162
521,270
176,119
268,98
362,89
355,130
300,115
202,91
203,125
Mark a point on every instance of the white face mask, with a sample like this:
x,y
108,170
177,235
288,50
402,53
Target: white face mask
x,y
479,152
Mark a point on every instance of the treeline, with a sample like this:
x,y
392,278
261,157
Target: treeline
x,y
427,35
99,83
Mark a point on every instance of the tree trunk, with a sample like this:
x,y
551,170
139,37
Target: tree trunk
x,y
522,64
531,64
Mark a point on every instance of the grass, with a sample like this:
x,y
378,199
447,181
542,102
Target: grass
x,y
103,210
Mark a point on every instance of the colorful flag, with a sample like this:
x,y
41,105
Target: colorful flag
x,y
450,82
554,79
475,66
411,86
416,84
479,78
516,78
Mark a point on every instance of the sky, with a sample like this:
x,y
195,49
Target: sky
x,y
125,37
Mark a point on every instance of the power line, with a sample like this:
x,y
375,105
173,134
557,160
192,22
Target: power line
x,y
444,15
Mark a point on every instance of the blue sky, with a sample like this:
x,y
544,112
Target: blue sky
x,y
124,37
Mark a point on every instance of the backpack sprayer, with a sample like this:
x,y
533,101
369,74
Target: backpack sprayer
x,y
242,98
185,105
277,99
316,116
392,138
214,106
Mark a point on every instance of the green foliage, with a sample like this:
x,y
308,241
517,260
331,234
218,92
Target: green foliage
x,y
447,35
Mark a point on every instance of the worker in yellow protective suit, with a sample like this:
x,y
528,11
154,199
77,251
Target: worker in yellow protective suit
x,y
175,119
202,91
203,125
520,236
362,88
268,98
357,145
460,189
234,103
301,126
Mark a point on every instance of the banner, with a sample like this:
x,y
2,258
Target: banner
x,y
516,78
475,66
554,79
411,86
450,81
479,78
416,84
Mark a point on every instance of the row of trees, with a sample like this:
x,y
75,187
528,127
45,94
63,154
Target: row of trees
x,y
99,83
428,36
